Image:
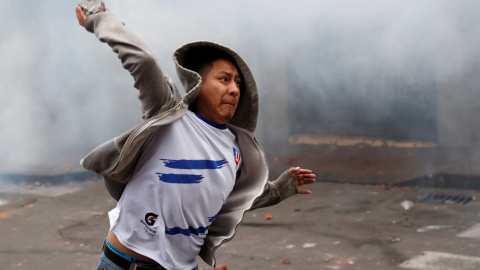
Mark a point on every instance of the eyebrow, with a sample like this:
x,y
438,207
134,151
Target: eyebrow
x,y
229,74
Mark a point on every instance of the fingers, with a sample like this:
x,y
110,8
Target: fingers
x,y
298,170
81,17
302,177
304,171
293,170
305,182
305,176
304,191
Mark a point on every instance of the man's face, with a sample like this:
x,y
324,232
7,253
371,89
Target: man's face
x,y
220,92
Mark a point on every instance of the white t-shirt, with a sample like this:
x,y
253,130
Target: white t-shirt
x,y
184,175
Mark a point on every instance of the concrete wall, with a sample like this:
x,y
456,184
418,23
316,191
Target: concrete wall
x,y
458,102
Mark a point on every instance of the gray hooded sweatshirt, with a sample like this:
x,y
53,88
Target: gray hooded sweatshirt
x,y
162,104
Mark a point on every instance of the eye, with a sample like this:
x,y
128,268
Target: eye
x,y
224,79
238,82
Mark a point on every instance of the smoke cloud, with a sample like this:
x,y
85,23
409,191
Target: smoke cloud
x,y
63,92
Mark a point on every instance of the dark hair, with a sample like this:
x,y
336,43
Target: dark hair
x,y
200,59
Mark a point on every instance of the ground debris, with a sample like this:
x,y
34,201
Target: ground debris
x,y
309,245
3,202
407,204
385,187
433,227
393,239
286,261
291,159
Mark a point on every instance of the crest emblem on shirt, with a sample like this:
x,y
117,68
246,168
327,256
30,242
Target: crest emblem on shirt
x,y
236,156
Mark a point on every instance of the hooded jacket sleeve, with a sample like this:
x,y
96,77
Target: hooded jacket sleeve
x,y
156,92
276,191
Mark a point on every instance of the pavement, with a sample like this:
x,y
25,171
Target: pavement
x,y
355,218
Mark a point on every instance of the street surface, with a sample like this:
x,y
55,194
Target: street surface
x,y
338,226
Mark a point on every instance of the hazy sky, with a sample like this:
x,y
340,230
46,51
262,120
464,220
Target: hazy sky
x,y
63,92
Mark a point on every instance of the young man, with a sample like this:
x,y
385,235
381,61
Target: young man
x,y
185,177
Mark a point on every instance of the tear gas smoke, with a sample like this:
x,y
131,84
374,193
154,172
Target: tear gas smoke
x,y
63,92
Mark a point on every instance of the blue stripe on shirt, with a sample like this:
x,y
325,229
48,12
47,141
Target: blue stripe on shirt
x,y
186,232
211,219
199,164
180,178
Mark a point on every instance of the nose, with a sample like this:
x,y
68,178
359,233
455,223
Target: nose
x,y
233,89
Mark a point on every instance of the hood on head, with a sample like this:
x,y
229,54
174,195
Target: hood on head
x,y
247,109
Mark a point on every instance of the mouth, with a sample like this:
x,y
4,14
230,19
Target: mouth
x,y
229,104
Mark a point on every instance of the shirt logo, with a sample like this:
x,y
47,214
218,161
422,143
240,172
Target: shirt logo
x,y
236,156
150,219
148,222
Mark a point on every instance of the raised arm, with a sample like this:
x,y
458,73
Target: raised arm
x,y
156,92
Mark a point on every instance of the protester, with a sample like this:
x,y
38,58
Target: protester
x,y
185,177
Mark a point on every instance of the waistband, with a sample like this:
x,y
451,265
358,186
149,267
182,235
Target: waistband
x,y
126,263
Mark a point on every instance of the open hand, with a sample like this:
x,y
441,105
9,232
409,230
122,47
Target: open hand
x,y
302,177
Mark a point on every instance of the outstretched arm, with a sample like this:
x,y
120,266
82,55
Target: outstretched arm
x,y
156,92
286,185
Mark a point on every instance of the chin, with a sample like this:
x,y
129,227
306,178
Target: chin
x,y
227,117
